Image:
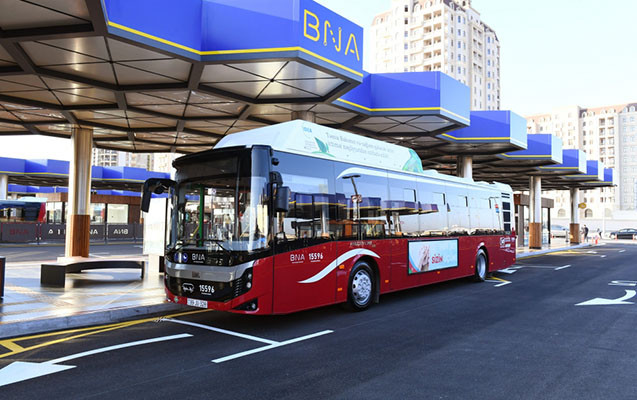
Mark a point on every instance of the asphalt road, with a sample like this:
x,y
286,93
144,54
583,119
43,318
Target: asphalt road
x,y
527,339
47,253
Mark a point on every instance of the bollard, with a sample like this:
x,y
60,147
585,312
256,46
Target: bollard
x,y
2,265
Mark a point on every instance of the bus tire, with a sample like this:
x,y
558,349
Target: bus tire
x,y
481,266
361,286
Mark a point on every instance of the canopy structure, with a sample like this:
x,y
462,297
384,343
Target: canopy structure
x,y
178,76
47,176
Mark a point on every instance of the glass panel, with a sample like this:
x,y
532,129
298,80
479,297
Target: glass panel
x,y
313,212
97,213
117,214
228,209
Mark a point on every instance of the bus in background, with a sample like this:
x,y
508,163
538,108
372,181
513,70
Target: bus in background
x,y
297,215
28,209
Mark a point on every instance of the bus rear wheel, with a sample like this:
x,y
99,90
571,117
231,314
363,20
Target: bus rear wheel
x,y
481,267
360,292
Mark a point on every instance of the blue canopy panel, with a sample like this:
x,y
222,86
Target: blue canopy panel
x,y
608,181
11,166
268,51
24,189
54,173
395,106
573,162
490,132
542,149
594,173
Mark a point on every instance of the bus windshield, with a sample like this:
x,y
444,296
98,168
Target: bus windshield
x,y
225,210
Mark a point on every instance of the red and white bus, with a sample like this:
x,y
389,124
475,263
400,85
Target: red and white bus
x,y
297,215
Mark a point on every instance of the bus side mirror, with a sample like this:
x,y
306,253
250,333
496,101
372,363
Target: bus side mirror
x,y
282,199
145,200
276,178
154,185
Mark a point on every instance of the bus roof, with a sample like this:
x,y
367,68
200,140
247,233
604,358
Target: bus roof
x,y
313,140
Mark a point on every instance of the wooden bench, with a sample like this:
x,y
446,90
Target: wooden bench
x,y
55,274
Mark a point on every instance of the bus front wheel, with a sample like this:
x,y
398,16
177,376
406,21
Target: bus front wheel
x,y
361,287
481,266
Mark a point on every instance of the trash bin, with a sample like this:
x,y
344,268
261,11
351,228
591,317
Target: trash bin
x,y
2,264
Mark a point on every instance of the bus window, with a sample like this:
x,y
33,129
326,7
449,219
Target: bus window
x,y
365,192
459,223
433,209
313,202
401,210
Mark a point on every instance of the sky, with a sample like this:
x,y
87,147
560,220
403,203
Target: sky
x,y
553,53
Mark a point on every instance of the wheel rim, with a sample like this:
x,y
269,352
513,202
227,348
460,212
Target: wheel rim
x,y
361,288
482,266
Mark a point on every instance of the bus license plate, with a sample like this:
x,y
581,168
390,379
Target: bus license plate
x,y
197,303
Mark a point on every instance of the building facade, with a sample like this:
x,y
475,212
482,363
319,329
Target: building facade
x,y
114,158
440,35
607,134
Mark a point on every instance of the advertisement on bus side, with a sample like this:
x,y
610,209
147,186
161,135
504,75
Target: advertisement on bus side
x,y
432,255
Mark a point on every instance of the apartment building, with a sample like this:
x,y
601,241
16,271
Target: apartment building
x,y
114,158
607,134
440,35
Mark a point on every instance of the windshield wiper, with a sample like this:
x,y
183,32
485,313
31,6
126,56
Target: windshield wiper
x,y
218,243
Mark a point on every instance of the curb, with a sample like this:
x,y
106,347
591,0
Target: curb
x,y
21,328
547,251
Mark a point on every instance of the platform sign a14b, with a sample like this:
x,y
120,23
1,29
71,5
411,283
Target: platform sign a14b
x,y
432,255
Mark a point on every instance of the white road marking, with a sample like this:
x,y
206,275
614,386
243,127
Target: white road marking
x,y
270,347
591,252
598,301
604,256
509,270
219,330
621,251
538,266
562,267
501,282
117,347
21,371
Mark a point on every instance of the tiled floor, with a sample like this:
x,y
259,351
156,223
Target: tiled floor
x,y
90,291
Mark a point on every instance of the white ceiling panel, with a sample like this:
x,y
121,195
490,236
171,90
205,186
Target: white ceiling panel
x,y
267,70
100,72
223,73
248,89
276,90
296,70
320,87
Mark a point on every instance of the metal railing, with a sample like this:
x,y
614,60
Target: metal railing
x,y
37,233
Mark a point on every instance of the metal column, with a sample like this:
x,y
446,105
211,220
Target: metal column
x,y
78,223
464,167
574,234
4,187
308,116
535,212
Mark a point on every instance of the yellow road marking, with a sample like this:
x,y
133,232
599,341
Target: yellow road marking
x,y
10,345
93,331
499,279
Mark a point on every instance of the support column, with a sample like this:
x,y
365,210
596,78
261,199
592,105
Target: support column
x,y
308,116
574,234
535,211
464,167
520,227
4,187
4,194
78,223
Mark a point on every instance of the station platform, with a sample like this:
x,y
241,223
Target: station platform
x,y
89,298
99,296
